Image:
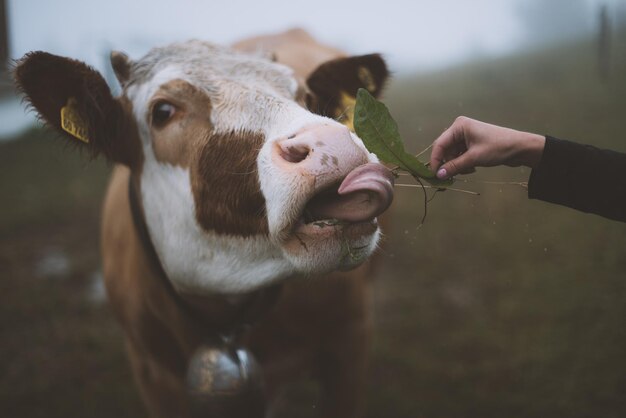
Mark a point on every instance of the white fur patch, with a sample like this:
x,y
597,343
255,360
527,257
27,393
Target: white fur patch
x,y
195,260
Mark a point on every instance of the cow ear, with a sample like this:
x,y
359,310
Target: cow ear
x,y
74,99
334,85
121,66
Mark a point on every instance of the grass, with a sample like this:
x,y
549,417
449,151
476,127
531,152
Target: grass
x,y
496,306
61,355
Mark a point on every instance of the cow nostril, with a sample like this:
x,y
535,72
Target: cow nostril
x,y
294,153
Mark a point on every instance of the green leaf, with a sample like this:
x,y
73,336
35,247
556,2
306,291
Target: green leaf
x,y
379,131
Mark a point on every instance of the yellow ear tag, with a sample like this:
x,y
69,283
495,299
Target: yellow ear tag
x,y
346,110
72,123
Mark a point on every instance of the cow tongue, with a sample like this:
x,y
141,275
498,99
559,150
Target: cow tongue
x,y
364,194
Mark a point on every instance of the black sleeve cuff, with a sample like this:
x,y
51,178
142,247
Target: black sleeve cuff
x,y
581,177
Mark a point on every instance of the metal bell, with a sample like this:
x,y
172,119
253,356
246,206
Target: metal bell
x,y
225,382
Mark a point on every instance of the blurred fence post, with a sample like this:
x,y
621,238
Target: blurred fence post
x,y
4,35
604,44
4,50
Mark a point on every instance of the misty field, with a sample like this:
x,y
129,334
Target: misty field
x,y
497,306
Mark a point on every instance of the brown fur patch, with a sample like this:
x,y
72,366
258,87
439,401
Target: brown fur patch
x,y
225,185
224,178
189,129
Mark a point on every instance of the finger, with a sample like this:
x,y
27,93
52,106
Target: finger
x,y
441,147
438,150
463,163
455,150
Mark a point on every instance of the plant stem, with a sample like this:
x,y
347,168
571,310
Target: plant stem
x,y
435,187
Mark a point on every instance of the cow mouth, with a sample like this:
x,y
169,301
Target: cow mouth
x,y
351,205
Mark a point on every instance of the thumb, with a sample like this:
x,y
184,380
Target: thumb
x,y
460,164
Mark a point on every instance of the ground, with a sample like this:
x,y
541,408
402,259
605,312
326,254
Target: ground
x,y
495,306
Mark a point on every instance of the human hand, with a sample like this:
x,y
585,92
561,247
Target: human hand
x,y
469,143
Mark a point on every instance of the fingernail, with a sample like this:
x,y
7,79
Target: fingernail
x,y
442,173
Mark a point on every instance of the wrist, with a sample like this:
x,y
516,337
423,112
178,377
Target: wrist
x,y
530,149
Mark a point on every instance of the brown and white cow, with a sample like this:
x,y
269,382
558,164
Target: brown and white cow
x,y
233,179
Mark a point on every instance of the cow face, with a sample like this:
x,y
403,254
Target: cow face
x,y
240,184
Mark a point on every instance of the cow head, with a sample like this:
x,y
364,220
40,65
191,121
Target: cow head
x,y
241,185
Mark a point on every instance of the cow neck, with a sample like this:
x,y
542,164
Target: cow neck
x,y
236,313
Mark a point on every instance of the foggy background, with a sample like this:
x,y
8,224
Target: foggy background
x,y
419,35
496,306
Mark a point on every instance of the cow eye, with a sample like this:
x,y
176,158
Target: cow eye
x,y
161,113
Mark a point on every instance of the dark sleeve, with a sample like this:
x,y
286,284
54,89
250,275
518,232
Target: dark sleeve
x,y
581,177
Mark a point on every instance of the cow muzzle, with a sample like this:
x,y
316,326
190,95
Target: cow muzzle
x,y
337,191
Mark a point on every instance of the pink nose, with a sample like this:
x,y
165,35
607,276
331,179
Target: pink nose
x,y
321,148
